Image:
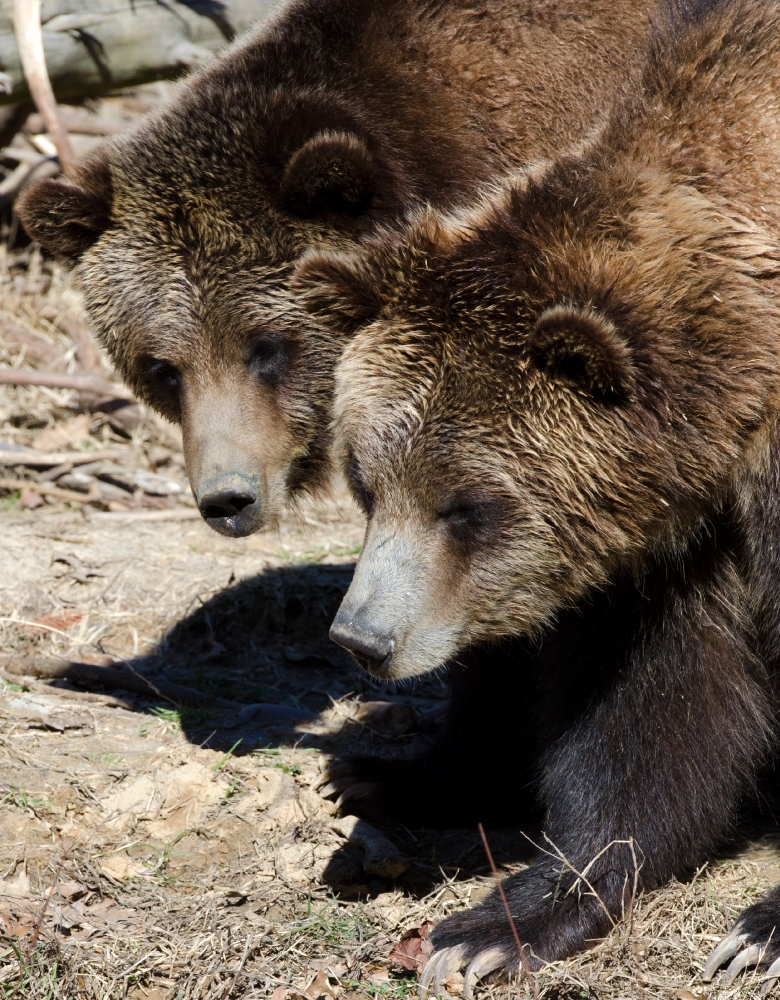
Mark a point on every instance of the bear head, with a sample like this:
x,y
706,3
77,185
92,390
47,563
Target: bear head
x,y
541,394
183,233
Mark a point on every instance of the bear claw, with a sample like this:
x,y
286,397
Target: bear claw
x,y
731,947
356,790
727,949
449,960
485,963
439,966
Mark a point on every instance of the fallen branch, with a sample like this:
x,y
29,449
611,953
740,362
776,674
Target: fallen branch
x,y
117,676
30,684
86,348
53,459
29,39
173,514
44,489
121,675
63,380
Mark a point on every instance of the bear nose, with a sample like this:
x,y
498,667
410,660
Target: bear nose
x,y
233,508
225,503
372,652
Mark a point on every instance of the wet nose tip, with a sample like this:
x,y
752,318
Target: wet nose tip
x,y
371,651
225,503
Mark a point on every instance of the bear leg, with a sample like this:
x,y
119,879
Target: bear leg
x,y
646,779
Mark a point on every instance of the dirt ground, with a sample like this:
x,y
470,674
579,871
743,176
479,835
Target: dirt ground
x,y
155,849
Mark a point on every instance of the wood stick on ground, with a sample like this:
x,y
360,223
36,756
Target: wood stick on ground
x,y
523,958
116,676
62,380
86,348
173,514
44,489
29,39
29,683
53,459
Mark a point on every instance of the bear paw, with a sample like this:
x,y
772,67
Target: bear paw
x,y
347,782
451,960
753,942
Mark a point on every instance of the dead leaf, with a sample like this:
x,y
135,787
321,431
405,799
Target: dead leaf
x,y
687,995
70,890
18,887
324,986
30,498
280,993
63,619
413,950
453,983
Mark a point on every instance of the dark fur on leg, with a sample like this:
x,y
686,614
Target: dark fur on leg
x,y
670,716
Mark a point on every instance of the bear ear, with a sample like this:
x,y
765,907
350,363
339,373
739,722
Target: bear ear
x,y
67,218
583,345
337,289
332,172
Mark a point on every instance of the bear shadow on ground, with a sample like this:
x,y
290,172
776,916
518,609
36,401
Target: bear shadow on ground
x,y
264,640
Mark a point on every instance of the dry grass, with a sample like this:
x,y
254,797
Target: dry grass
x,y
153,852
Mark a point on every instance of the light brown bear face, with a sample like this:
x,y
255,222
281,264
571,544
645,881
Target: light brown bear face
x,y
532,407
185,265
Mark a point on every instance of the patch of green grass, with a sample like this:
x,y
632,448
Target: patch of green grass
x,y
10,501
400,989
282,765
38,978
335,924
18,797
183,717
104,758
226,757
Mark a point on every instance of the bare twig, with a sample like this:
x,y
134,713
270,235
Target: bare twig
x,y
116,676
53,459
62,380
523,958
173,514
29,39
44,489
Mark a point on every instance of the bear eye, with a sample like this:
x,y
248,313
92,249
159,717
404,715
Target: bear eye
x,y
162,373
363,495
161,384
267,356
469,519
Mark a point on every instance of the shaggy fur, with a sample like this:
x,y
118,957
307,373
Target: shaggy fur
x,y
336,117
561,415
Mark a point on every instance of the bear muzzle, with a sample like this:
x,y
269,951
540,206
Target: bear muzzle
x,y
232,506
370,650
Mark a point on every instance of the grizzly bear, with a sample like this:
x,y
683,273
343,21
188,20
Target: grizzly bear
x,y
560,410
336,117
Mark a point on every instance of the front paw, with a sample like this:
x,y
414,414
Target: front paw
x,y
753,942
367,787
475,963
475,942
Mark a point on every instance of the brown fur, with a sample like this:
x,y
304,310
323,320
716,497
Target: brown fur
x,y
561,416
335,118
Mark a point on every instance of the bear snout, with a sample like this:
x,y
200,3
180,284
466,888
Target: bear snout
x,y
233,507
371,650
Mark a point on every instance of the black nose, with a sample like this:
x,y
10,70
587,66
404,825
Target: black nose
x,y
372,652
225,503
